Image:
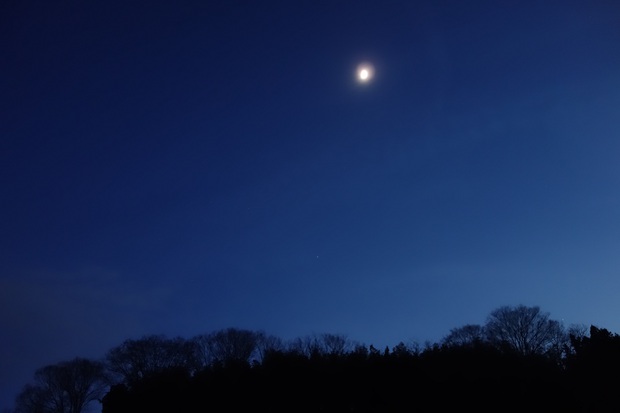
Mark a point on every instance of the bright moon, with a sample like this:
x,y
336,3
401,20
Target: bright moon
x,y
365,72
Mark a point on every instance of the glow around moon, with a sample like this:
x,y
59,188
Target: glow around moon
x,y
364,72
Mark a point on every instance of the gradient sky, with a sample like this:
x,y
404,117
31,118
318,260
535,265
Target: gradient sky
x,y
181,167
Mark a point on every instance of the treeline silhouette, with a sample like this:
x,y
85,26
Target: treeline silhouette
x,y
520,360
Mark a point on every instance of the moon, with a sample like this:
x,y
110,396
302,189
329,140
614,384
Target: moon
x,y
365,72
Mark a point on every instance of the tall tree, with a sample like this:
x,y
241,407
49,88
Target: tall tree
x,y
229,345
66,387
33,399
467,335
526,330
137,359
267,343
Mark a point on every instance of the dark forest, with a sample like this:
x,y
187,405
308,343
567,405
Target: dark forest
x,y
519,360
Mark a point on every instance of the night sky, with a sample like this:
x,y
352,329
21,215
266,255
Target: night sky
x,y
182,167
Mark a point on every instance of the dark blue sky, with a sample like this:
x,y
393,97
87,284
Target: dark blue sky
x,y
181,167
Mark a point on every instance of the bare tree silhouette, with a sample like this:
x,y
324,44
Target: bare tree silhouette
x,y
526,330
66,387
